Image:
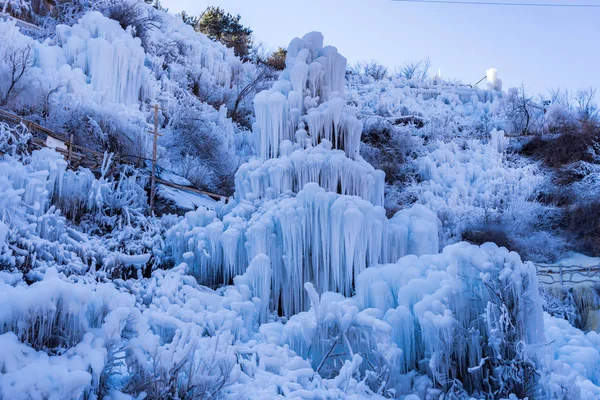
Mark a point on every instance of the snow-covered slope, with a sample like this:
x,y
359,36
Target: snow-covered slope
x,y
300,285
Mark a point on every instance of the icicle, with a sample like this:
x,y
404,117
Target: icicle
x,y
258,279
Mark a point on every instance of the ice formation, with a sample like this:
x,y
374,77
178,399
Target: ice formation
x,y
448,308
331,169
315,236
444,315
316,212
306,105
492,79
112,59
106,336
466,186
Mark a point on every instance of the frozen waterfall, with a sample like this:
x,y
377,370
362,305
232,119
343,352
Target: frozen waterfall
x,y
309,202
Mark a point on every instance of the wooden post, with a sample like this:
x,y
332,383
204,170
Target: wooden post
x,y
560,269
156,135
70,149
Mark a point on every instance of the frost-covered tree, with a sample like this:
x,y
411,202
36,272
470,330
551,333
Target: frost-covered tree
x,y
17,59
189,19
587,108
415,69
523,114
375,70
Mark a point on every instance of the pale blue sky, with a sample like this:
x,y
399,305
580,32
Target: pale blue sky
x,y
540,47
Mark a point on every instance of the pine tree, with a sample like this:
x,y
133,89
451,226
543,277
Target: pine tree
x,y
189,19
227,29
277,59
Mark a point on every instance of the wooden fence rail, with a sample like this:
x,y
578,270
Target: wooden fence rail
x,y
79,155
565,275
20,22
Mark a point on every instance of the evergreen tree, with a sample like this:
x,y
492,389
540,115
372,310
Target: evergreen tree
x,y
189,19
277,59
227,29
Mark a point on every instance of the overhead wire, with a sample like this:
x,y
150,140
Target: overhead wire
x,y
500,3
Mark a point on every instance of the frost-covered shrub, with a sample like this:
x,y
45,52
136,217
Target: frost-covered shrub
x,y
200,145
560,119
582,221
388,147
563,150
41,199
572,185
471,184
334,331
123,198
523,114
54,315
189,367
562,304
14,140
134,15
488,233
17,56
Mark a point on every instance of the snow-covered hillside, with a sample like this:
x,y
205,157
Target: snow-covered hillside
x,y
321,277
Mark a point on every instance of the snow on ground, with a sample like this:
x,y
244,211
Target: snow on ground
x,y
185,200
571,359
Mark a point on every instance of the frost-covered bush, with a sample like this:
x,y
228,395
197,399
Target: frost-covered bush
x,y
571,187
562,304
133,15
389,148
524,115
189,367
200,145
471,184
41,200
334,331
560,119
14,141
122,200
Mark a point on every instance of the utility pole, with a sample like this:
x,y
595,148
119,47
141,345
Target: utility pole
x,y
70,149
156,135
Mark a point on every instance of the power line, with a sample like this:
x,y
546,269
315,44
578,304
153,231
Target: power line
x,y
500,3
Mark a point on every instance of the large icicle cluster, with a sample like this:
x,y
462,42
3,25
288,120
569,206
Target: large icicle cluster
x,y
112,59
315,236
331,169
306,105
30,189
315,211
458,309
471,313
